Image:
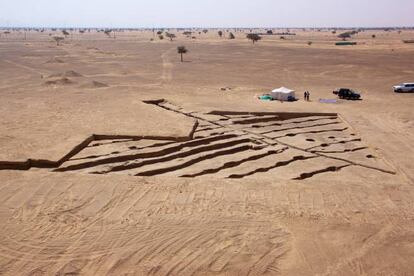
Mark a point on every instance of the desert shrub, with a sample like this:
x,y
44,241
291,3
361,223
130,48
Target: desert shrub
x,y
269,32
159,32
310,43
161,37
231,36
220,33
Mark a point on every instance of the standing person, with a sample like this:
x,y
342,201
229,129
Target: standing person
x,y
305,95
308,96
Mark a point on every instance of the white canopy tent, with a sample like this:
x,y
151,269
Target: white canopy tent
x,y
283,94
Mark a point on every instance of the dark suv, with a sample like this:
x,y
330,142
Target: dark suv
x,y
349,94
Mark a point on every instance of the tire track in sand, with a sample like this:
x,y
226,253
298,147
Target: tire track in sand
x,y
167,67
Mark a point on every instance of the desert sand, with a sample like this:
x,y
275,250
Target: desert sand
x,y
118,159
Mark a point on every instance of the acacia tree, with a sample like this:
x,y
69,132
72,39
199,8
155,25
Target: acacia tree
x,y
170,36
254,37
345,35
58,39
108,33
182,50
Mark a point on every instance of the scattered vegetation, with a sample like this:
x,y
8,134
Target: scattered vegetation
x,y
220,33
310,43
231,36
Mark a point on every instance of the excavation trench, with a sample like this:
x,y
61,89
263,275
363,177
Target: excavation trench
x,y
231,141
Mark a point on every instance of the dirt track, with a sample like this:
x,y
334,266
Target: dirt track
x,y
252,188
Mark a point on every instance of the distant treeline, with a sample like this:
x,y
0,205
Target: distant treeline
x,y
202,28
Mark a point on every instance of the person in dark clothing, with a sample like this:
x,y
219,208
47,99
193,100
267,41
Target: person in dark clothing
x,y
308,96
305,95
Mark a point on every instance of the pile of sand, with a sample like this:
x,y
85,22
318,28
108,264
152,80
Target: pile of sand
x,y
94,84
59,81
70,73
55,60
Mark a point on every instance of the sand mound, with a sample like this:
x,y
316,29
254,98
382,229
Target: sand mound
x,y
70,73
59,81
55,60
95,84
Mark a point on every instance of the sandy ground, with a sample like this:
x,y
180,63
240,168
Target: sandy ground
x,y
101,177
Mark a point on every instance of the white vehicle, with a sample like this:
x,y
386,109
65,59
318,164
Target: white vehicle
x,y
404,87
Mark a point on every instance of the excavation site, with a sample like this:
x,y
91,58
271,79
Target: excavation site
x,y
225,144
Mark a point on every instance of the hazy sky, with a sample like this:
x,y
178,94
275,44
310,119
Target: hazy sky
x,y
207,13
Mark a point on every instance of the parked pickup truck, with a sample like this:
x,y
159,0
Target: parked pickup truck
x,y
346,93
404,87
